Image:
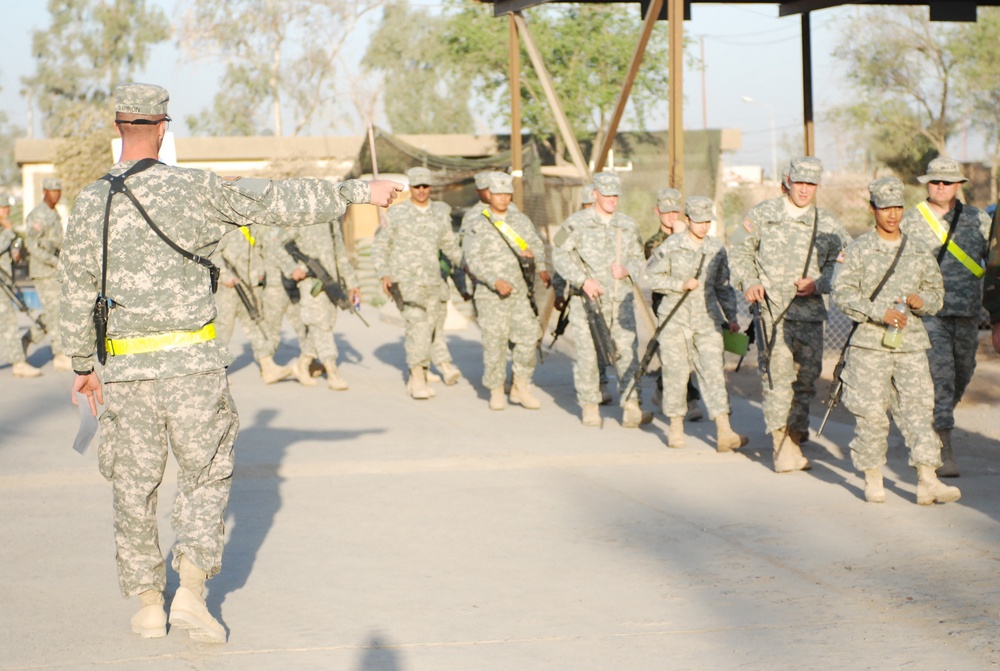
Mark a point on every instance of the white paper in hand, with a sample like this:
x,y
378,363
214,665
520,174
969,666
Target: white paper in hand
x,y
88,424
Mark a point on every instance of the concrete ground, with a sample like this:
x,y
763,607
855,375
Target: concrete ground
x,y
368,531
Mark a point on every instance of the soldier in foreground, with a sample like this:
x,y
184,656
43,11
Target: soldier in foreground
x,y
991,287
497,245
786,264
691,272
405,255
10,342
958,237
44,237
886,275
164,376
599,253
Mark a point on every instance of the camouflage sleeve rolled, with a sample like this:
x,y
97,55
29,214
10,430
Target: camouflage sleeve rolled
x,y
991,289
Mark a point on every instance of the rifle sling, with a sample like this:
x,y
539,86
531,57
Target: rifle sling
x,y
513,249
878,290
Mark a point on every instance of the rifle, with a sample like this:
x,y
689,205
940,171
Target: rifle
x,y
245,293
763,351
561,325
335,289
17,297
457,275
600,333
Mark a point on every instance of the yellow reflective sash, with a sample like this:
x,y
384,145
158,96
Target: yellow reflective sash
x,y
953,249
160,341
245,230
507,231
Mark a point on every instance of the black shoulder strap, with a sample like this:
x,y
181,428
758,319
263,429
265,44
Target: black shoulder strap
x,y
951,232
878,289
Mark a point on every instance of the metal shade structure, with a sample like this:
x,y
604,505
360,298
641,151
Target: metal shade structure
x,y
674,11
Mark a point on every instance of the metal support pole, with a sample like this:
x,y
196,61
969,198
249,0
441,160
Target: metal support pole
x,y
675,17
807,87
516,159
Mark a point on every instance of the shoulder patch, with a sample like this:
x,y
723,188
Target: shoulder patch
x,y
748,225
841,256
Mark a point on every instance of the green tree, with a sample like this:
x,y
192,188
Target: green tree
x,y
426,94
902,69
280,60
9,173
90,47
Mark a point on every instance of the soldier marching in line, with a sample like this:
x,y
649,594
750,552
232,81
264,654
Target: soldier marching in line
x,y
786,263
10,341
165,370
885,275
405,255
958,237
691,273
44,238
495,244
280,297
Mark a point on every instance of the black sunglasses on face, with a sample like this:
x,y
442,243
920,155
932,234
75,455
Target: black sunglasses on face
x,y
144,122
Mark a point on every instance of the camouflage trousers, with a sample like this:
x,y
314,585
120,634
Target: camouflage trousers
x,y
503,321
277,305
10,334
50,295
196,417
875,382
586,374
424,312
684,349
796,362
319,315
952,357
229,308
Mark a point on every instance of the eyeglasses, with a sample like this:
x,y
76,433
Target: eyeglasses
x,y
420,186
939,182
144,122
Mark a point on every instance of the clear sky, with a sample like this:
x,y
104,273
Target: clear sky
x,y
749,52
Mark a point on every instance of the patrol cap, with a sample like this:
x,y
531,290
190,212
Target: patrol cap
x,y
587,195
500,182
668,200
699,209
943,169
785,172
608,184
482,180
419,176
4,198
808,169
886,192
136,98
51,184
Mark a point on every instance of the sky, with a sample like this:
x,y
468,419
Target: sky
x,y
748,52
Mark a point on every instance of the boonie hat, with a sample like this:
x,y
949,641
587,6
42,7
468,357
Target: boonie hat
x,y
886,192
500,182
419,176
943,169
136,98
52,184
608,184
668,200
807,169
699,209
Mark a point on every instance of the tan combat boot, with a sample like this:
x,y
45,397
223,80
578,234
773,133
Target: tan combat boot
x,y
675,438
300,369
151,620
726,440
271,372
931,490
787,455
694,412
633,416
449,372
333,379
498,399
432,377
417,384
188,609
798,436
24,369
874,491
520,393
62,363
949,469
591,415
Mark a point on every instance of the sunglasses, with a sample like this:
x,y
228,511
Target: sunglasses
x,y
144,122
939,182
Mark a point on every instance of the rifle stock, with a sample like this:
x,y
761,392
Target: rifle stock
x,y
835,393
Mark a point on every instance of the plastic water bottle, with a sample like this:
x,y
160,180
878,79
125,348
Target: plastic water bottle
x,y
893,337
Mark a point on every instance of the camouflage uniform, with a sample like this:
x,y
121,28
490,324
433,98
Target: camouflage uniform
x,y
991,286
238,257
585,234
954,330
693,336
174,395
406,249
44,240
510,318
10,338
773,254
876,377
278,266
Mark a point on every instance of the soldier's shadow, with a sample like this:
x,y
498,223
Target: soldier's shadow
x,y
347,352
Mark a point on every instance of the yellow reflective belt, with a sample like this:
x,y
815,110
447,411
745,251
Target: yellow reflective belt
x,y
246,234
507,231
161,341
953,249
